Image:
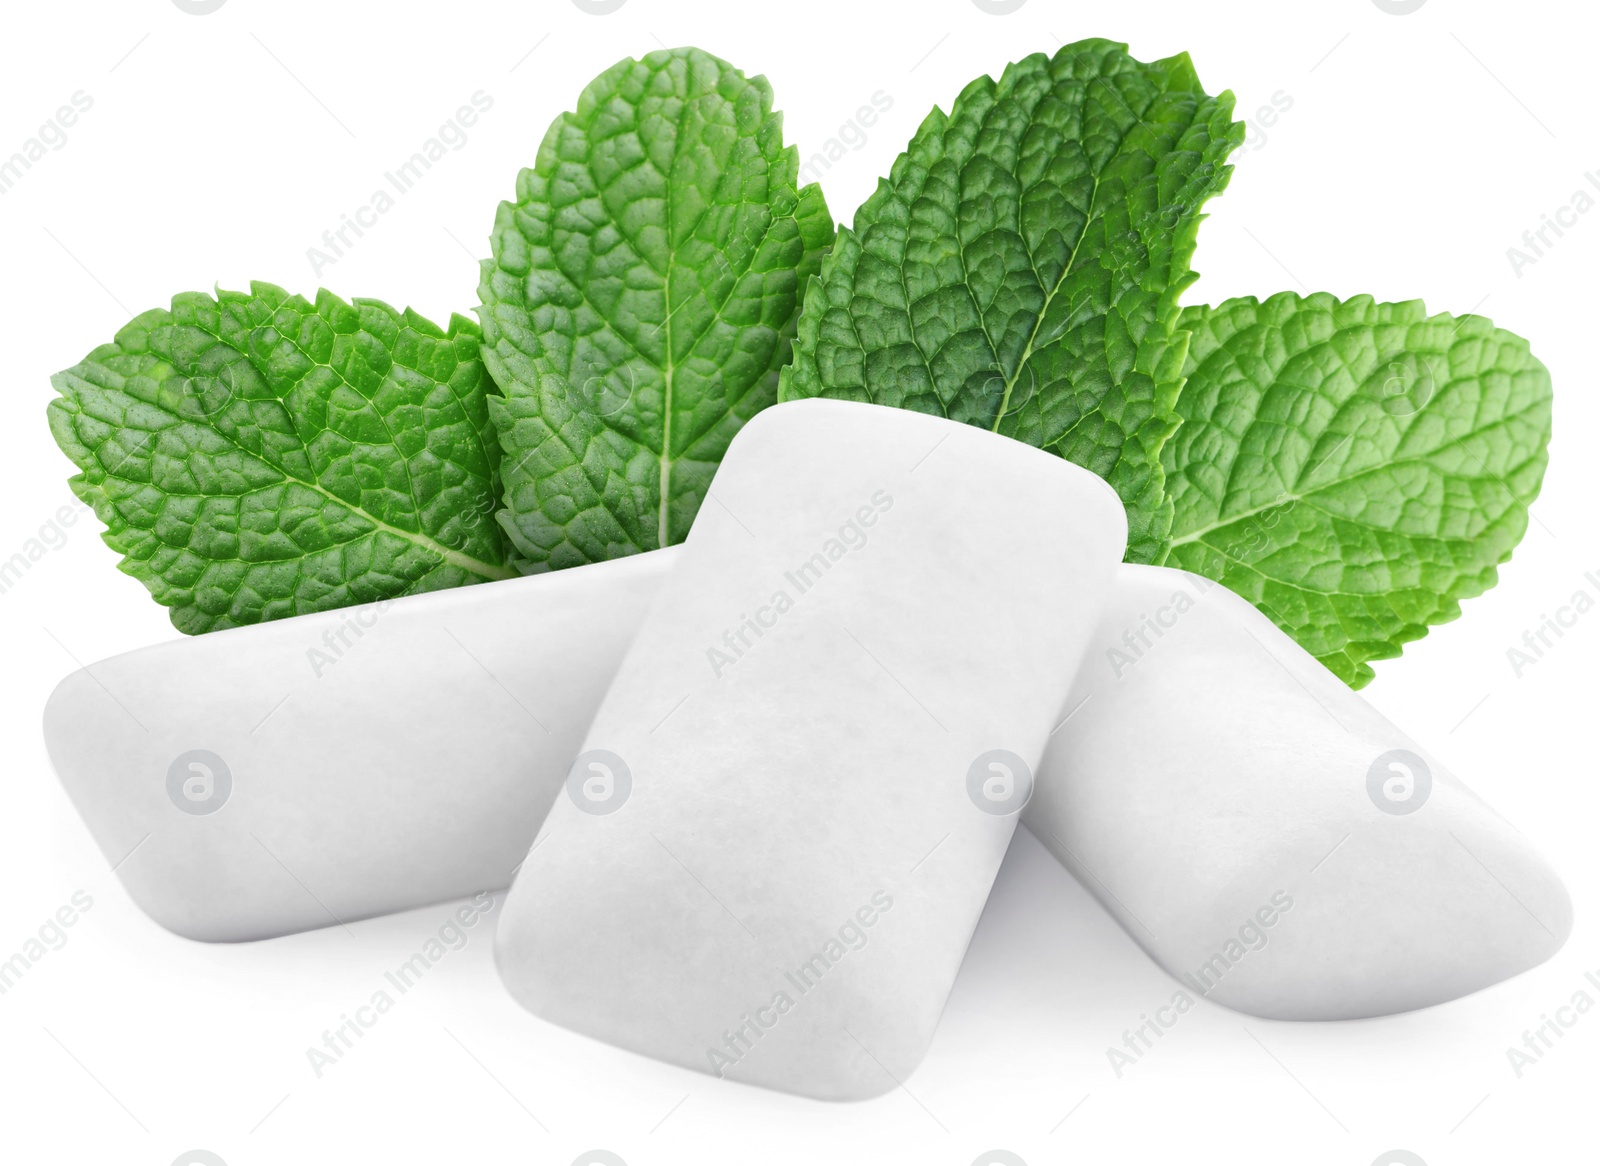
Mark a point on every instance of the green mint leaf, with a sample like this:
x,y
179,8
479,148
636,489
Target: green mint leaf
x,y
641,300
1354,469
1020,268
255,456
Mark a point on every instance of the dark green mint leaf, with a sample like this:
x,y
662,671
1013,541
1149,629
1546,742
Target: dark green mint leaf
x,y
1020,268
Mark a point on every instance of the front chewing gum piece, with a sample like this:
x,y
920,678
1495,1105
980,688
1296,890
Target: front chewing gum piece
x,y
793,800
1265,834
312,771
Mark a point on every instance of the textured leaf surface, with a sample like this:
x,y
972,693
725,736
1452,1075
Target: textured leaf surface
x,y
1020,268
641,300
256,456
1354,469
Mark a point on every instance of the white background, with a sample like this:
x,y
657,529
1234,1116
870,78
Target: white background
x,y
1417,150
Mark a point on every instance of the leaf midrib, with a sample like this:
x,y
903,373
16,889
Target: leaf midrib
x,y
1066,271
1310,498
663,511
668,368
1044,308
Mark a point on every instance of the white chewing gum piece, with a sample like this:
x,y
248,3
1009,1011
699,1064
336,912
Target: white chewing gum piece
x,y
310,771
1265,834
772,853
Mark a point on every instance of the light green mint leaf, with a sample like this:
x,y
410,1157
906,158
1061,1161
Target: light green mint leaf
x,y
255,456
640,302
1020,268
1353,469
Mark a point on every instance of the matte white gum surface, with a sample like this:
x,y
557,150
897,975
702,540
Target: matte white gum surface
x,y
788,813
296,774
1264,833
384,759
